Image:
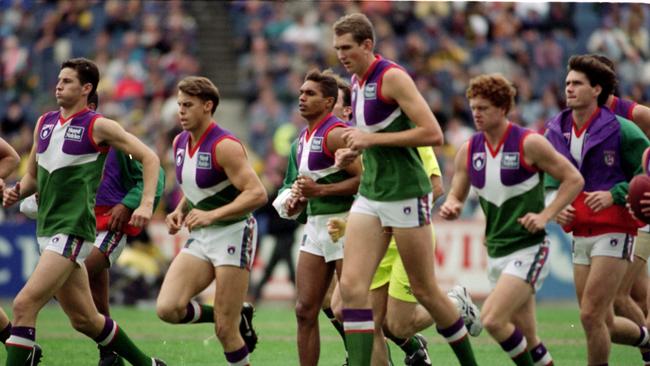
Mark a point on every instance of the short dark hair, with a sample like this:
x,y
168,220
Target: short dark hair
x,y
87,71
93,99
597,72
343,86
201,87
327,83
356,24
495,88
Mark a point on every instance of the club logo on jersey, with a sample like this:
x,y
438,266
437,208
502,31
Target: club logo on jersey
x,y
316,144
370,91
609,157
204,161
510,160
46,130
74,133
180,154
567,136
613,242
231,249
407,210
478,161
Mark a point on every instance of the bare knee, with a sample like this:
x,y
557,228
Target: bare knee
x,y
306,314
23,306
84,323
492,322
352,291
592,317
170,312
227,330
400,326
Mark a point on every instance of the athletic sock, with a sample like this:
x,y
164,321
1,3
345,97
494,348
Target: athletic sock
x,y
20,345
644,337
335,322
197,313
115,339
541,356
645,355
359,330
5,333
456,336
515,346
238,357
409,345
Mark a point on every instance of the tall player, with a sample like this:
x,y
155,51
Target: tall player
x,y
504,163
607,149
65,167
220,190
391,118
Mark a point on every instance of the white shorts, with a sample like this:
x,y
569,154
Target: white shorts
x,y
530,264
231,245
411,212
617,245
318,242
111,244
68,246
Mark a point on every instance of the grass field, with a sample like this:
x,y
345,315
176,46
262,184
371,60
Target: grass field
x,y
185,345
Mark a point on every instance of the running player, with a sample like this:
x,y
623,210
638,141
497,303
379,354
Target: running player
x,y
391,119
221,190
65,167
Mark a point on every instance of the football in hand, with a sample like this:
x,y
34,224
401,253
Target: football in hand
x,y
638,186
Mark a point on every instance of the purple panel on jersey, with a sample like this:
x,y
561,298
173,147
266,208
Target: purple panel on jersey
x,y
623,107
110,191
77,140
318,159
48,122
477,160
375,109
207,175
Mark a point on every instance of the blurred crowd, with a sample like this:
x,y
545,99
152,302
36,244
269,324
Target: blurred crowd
x,y
442,45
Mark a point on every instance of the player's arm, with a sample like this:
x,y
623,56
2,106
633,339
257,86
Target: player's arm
x,y
633,144
174,219
641,116
288,206
232,158
538,152
110,132
348,187
9,159
27,184
432,168
397,85
460,184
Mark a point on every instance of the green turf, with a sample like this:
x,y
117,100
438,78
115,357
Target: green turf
x,y
181,345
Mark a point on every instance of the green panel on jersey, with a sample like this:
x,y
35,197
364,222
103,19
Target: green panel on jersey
x,y
222,198
330,204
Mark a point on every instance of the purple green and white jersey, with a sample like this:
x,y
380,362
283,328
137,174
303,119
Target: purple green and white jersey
x,y
389,173
316,162
507,188
69,170
204,183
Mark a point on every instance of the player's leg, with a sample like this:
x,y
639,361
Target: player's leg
x,y
50,274
365,245
526,321
76,301
416,251
624,305
313,277
230,291
187,276
108,246
378,298
5,326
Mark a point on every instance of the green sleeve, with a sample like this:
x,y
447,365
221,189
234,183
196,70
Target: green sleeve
x,y
633,144
550,183
291,175
132,175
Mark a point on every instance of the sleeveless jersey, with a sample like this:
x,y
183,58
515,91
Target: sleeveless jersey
x,y
69,170
204,183
389,173
507,189
317,162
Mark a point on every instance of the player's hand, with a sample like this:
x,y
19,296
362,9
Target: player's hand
x,y
307,187
336,228
344,157
645,204
198,218
599,200
533,222
356,139
451,209
141,216
11,195
120,215
174,221
566,216
294,205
